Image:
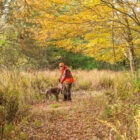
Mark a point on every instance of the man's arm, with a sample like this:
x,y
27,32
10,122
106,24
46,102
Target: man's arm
x,y
65,76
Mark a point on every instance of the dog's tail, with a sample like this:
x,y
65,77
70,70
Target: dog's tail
x,y
42,92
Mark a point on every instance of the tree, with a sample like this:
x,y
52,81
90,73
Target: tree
x,y
106,30
127,15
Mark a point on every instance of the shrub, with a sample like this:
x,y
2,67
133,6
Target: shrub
x,y
122,105
11,108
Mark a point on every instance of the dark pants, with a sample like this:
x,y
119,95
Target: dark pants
x,y
67,91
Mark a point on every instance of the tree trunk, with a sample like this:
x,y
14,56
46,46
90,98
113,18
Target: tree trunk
x,y
132,58
6,7
113,34
131,51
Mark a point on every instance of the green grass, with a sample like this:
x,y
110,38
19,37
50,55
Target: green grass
x,y
56,105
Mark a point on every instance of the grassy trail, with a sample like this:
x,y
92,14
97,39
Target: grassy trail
x,y
74,120
105,106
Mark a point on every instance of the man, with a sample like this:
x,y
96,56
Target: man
x,y
66,79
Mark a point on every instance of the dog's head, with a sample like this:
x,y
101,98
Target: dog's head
x,y
60,90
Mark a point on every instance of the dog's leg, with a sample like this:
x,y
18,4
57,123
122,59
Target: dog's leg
x,y
48,95
57,97
48,98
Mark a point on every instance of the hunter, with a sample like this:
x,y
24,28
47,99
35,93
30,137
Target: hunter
x,y
66,80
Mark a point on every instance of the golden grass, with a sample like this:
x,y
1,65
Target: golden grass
x,y
116,107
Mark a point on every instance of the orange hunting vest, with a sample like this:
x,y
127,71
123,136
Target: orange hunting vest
x,y
66,75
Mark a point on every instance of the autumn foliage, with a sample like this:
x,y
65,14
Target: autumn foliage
x,y
105,30
35,35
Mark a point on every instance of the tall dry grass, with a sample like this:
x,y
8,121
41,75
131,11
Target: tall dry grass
x,y
119,102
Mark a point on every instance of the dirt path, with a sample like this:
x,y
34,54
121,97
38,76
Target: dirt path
x,y
66,120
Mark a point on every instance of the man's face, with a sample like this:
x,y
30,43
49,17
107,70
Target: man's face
x,y
61,67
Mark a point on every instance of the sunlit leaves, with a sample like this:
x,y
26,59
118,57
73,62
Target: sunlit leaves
x,y
83,26
91,3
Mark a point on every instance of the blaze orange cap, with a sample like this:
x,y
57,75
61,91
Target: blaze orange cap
x,y
61,64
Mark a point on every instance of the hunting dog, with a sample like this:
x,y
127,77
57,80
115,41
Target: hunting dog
x,y
52,91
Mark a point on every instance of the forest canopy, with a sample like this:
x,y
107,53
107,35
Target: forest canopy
x,y
106,30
